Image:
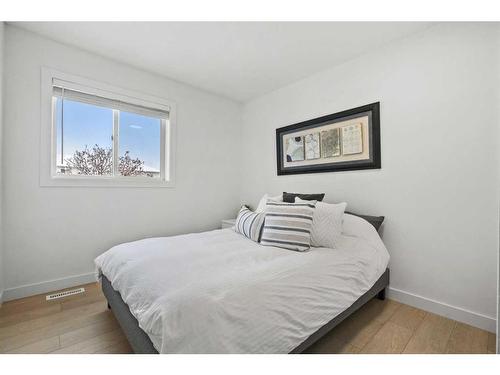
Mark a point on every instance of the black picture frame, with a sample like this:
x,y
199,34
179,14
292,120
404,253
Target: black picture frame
x,y
373,162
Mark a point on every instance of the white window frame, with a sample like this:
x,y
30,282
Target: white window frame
x,y
48,136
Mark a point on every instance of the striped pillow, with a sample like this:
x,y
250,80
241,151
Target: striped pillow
x,y
288,225
249,223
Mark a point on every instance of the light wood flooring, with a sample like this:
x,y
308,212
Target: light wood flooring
x,y
83,324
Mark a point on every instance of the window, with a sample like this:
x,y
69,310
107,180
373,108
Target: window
x,y
99,136
84,138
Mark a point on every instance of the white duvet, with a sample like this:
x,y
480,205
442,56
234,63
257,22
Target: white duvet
x,y
219,292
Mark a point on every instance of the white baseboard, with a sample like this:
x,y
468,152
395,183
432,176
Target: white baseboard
x,y
47,286
453,312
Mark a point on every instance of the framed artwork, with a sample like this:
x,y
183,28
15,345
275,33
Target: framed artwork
x,y
343,141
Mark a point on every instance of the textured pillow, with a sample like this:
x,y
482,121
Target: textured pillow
x,y
376,221
249,223
288,225
290,197
327,223
263,201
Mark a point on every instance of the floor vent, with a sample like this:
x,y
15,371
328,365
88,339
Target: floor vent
x,y
64,294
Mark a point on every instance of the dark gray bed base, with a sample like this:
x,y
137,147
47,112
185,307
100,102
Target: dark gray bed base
x,y
141,344
138,339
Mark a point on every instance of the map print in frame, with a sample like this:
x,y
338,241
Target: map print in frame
x,y
347,140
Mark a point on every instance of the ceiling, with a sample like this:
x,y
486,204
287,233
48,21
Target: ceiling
x,y
237,60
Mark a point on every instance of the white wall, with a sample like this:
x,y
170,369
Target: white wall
x,y
498,202
437,186
53,233
1,190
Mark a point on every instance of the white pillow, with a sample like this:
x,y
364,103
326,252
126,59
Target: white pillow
x,y
327,223
263,201
356,226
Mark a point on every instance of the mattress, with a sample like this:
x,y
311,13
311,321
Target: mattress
x,y
219,292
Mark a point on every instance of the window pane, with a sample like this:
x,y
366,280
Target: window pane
x,y
139,149
84,138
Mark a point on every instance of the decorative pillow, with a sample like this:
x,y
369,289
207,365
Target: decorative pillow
x,y
327,223
249,223
376,221
290,197
288,225
263,201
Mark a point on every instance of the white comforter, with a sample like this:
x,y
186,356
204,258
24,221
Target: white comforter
x,y
219,292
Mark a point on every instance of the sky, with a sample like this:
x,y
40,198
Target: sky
x,y
86,124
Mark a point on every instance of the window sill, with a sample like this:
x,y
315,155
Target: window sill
x,y
88,181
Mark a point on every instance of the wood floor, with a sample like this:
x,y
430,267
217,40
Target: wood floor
x,y
83,324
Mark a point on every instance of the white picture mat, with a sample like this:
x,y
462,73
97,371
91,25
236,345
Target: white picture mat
x,y
365,155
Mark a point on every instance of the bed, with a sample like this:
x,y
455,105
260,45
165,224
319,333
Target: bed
x,y
219,292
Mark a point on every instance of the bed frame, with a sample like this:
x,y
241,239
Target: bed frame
x,y
141,344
